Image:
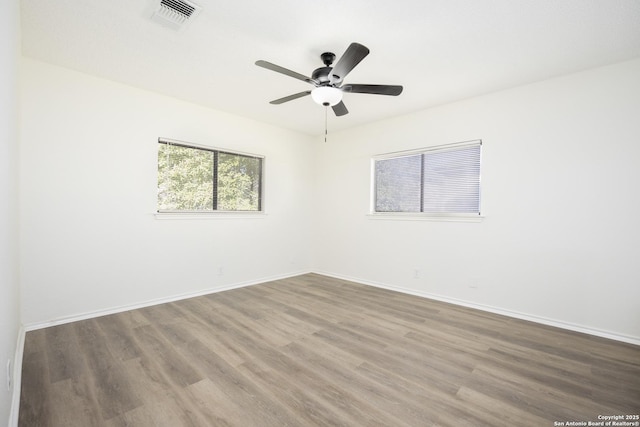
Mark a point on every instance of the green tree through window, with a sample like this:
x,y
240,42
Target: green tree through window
x,y
198,179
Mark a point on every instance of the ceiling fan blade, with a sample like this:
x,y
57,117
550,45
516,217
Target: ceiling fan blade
x,y
340,109
290,97
282,70
392,90
349,59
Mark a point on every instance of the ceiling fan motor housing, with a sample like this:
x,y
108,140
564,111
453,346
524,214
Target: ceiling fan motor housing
x,y
321,75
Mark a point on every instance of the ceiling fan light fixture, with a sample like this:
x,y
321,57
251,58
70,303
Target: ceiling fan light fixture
x,y
327,80
326,95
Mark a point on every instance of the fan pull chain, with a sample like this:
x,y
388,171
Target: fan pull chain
x,y
326,108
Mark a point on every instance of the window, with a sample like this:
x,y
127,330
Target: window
x,y
199,179
443,180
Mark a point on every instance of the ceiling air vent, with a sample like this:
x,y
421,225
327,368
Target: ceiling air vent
x,y
175,14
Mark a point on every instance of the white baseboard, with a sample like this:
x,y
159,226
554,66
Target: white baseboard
x,y
148,303
17,379
496,310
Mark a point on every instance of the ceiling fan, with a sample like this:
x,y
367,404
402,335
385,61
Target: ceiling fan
x,y
328,81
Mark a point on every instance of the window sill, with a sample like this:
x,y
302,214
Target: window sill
x,y
209,215
425,217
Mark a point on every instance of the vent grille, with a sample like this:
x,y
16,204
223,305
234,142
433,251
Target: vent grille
x,y
177,6
174,13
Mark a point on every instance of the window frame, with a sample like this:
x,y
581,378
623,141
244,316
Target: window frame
x,y
428,216
214,213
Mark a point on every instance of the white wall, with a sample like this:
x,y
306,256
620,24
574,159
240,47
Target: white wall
x,y
89,239
560,175
559,242
9,290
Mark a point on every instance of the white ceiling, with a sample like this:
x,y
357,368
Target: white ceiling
x,y
439,50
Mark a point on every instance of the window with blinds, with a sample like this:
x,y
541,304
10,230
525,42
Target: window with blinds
x,y
200,179
443,180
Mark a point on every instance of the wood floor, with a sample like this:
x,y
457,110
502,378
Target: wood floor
x,y
318,351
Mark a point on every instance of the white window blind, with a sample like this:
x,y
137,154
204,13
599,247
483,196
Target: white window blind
x,y
438,180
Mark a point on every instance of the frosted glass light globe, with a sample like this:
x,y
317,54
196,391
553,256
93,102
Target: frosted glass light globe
x,y
326,95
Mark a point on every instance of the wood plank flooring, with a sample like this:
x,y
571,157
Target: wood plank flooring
x,y
318,351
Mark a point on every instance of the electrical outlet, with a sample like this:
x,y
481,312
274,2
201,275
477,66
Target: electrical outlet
x,y
9,375
416,273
